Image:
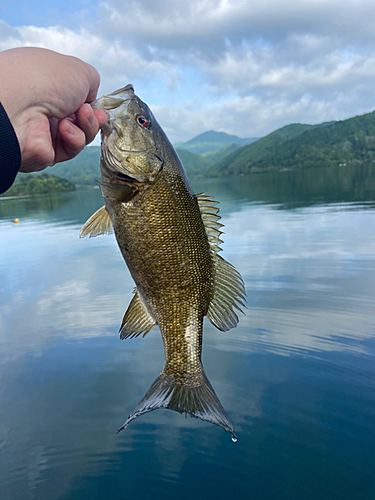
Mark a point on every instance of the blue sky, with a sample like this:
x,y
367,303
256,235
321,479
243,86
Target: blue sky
x,y
238,66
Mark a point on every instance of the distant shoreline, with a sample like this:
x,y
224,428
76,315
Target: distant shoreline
x,y
29,185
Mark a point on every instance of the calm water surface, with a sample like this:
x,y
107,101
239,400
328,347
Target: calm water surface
x,y
297,376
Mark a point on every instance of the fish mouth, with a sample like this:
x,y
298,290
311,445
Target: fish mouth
x,y
114,100
115,174
132,151
128,88
124,177
109,104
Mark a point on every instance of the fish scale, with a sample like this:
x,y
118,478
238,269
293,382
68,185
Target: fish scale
x,y
170,240
165,267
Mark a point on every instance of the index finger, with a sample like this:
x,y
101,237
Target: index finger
x,y
94,82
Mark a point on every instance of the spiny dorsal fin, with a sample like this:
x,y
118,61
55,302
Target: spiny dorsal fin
x,y
137,319
98,223
228,288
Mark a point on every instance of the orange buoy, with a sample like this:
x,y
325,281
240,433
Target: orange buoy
x,y
16,221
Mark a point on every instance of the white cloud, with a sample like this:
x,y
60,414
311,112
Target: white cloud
x,y
242,67
205,23
115,58
252,116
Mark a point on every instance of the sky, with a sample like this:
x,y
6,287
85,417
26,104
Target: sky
x,y
243,67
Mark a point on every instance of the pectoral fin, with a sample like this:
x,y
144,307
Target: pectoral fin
x,y
137,319
119,192
98,223
228,289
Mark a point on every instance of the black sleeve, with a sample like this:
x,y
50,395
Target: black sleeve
x,y
10,153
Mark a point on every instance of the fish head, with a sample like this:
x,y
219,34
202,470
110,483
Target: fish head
x,y
129,151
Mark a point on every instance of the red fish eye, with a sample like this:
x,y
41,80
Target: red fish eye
x,y
143,121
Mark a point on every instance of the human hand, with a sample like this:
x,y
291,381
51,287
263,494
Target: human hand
x,y
46,96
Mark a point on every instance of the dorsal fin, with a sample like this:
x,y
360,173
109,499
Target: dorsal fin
x,y
228,289
98,223
137,319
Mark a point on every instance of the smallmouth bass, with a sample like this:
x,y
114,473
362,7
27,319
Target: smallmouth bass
x,y
170,240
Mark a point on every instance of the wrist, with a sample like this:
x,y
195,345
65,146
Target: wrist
x,y
10,157
12,94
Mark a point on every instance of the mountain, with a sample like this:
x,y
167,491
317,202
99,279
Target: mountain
x,y
242,159
212,141
346,142
221,153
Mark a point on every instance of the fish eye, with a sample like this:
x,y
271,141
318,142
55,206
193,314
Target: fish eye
x,y
143,121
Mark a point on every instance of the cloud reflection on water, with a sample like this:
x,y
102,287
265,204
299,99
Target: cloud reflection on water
x,y
68,382
309,275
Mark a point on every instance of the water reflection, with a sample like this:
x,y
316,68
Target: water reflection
x,y
75,207
296,376
300,188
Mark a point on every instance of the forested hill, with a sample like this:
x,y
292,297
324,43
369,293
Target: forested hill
x,y
344,142
30,184
235,162
194,165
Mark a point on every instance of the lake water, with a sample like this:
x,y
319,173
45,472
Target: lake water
x,y
297,376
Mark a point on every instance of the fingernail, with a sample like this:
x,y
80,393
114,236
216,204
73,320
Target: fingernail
x,y
71,129
92,119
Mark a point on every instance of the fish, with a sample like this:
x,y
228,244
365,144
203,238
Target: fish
x,y
170,240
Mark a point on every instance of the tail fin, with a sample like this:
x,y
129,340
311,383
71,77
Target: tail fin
x,y
197,401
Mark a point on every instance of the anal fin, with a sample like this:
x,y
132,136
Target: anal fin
x,y
98,223
137,319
